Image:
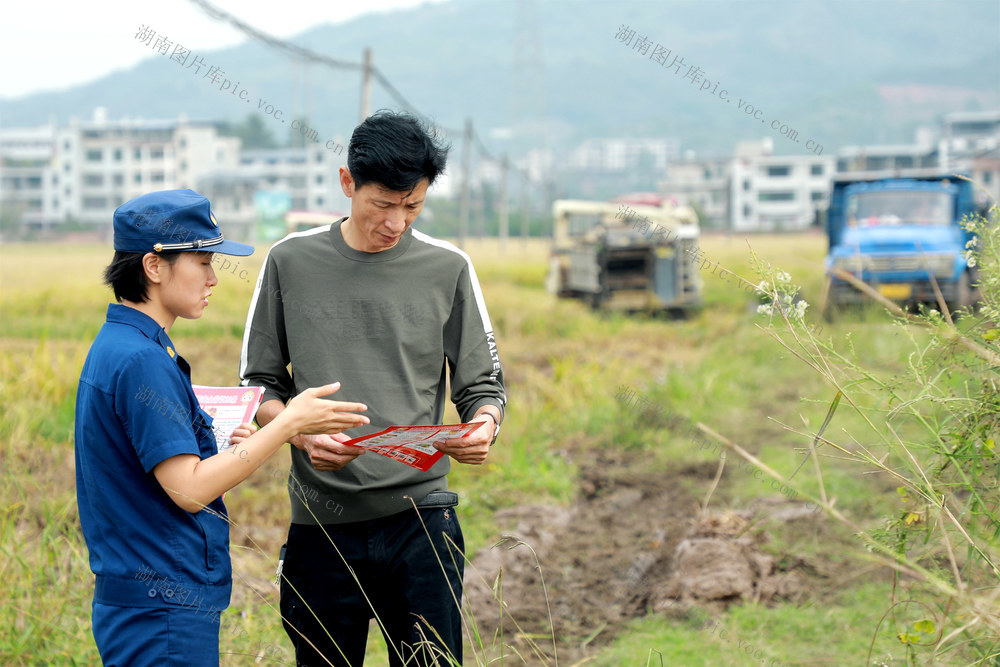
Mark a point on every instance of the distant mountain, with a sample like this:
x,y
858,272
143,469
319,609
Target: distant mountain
x,y
554,72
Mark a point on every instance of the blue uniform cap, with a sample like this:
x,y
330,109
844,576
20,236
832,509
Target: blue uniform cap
x,y
171,220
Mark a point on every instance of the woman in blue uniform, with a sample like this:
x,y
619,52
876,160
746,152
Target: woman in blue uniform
x,y
149,480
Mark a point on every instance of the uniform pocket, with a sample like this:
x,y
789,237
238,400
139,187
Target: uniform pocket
x,y
216,534
205,434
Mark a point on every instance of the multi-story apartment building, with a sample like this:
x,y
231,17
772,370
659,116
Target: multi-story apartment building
x,y
758,191
881,157
84,171
27,177
755,190
621,154
102,163
970,133
776,192
703,185
309,175
970,142
966,142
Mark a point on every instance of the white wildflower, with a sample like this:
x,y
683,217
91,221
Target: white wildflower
x,y
765,309
800,310
782,277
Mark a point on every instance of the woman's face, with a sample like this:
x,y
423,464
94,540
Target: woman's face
x,y
187,284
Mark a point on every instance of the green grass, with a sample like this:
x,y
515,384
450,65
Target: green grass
x,y
563,364
748,634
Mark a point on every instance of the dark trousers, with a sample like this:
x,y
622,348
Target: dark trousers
x,y
413,583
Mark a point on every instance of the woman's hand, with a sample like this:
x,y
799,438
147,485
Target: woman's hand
x,y
241,433
193,482
310,413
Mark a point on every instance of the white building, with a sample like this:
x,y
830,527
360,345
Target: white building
x,y
970,133
754,190
104,163
84,171
703,185
881,157
622,154
27,176
231,192
310,175
758,191
776,192
966,142
970,142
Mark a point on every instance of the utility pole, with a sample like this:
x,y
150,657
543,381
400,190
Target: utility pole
x,y
366,84
524,209
463,211
479,205
504,211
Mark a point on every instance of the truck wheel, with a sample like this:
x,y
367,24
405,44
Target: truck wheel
x,y
964,294
828,306
596,300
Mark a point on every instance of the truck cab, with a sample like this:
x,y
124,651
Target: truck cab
x,y
900,233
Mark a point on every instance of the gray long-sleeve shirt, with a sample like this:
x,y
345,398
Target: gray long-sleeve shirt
x,y
389,326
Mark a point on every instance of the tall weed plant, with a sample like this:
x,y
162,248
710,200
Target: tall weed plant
x,y
931,432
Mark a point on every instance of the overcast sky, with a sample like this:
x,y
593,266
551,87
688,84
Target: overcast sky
x,y
54,45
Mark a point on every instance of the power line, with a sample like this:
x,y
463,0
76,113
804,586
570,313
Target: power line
x,y
294,50
302,53
483,150
308,55
395,94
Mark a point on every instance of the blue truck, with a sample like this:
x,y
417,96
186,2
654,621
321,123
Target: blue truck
x,y
895,230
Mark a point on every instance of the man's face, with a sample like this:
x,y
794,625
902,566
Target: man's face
x,y
379,216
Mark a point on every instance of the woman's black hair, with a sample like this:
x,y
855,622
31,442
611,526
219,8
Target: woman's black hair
x,y
126,276
396,151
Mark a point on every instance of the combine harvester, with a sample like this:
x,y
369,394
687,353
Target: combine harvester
x,y
632,254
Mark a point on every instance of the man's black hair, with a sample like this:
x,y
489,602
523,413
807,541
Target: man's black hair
x,y
126,276
396,151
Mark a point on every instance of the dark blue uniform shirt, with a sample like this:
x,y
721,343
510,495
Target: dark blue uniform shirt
x,y
135,408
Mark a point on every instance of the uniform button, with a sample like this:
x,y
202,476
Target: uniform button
x,y
151,592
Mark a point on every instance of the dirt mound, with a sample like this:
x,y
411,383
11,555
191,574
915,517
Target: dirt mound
x,y
633,542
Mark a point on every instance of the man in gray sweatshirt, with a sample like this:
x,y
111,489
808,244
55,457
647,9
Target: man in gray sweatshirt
x,y
392,314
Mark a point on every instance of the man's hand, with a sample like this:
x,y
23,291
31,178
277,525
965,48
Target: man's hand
x,y
327,452
474,447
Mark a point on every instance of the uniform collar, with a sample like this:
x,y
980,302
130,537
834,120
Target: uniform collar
x,y
122,314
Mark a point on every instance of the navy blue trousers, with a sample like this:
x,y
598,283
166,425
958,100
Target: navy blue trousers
x,y
145,637
412,584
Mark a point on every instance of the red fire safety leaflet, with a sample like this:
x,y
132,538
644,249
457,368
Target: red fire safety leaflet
x,y
229,407
412,445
